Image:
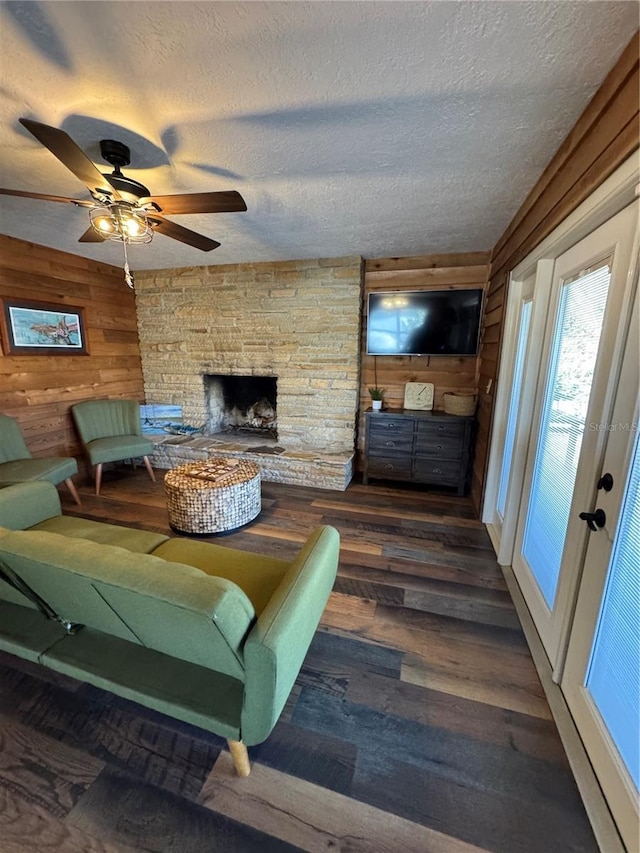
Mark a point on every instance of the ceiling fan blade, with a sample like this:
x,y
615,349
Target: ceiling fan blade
x,y
227,201
170,229
91,236
23,194
70,155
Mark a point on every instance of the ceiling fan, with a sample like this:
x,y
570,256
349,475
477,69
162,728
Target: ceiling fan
x,y
121,208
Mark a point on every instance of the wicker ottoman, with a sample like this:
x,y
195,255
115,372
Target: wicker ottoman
x,y
212,496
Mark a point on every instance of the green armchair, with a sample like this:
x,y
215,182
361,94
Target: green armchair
x,y
110,431
17,465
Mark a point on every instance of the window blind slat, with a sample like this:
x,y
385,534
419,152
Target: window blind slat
x,y
613,677
569,379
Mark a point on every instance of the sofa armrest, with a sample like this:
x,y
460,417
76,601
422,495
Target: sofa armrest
x,y
278,643
25,504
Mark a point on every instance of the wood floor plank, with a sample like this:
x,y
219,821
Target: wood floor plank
x,y
121,810
43,771
456,574
306,755
382,573
337,655
395,513
315,819
115,735
480,686
417,631
381,593
503,823
522,732
395,529
299,536
27,827
348,610
442,555
461,608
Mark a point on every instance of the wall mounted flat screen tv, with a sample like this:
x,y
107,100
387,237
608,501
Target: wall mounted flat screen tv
x,y
424,322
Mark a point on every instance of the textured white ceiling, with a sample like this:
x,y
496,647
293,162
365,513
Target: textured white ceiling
x,y
372,128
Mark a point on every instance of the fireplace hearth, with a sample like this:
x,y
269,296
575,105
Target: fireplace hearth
x,y
241,404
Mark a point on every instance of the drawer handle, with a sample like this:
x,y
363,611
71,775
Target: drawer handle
x,y
390,425
438,447
390,444
440,429
437,471
389,467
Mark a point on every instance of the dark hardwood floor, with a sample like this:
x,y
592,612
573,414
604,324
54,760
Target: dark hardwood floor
x,y
417,724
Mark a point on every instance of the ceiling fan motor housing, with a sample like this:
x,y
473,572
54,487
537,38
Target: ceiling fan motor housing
x,y
116,153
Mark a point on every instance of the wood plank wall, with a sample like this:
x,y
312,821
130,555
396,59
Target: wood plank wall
x,y
437,272
607,132
39,390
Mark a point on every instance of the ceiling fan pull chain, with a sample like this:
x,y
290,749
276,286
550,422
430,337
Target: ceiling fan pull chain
x,y
128,275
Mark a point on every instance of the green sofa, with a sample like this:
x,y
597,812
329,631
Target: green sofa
x,y
207,634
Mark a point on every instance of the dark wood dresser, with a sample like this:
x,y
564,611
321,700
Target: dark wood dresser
x,y
421,447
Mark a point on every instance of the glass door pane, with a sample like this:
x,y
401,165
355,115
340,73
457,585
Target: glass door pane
x,y
613,678
570,375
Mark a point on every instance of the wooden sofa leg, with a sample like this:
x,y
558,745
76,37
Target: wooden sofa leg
x,y
149,468
240,757
98,477
74,494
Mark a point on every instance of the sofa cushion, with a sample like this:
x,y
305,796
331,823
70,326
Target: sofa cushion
x,y
114,449
173,608
55,469
26,633
140,541
258,576
24,504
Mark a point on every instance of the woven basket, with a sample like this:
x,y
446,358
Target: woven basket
x,y
459,404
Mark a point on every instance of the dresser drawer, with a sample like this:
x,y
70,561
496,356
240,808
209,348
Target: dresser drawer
x,y
442,447
381,444
390,426
448,429
389,467
437,471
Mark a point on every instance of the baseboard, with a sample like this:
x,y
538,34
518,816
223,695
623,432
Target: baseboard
x,y
602,822
493,535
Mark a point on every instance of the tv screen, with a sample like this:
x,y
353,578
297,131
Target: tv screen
x,y
424,322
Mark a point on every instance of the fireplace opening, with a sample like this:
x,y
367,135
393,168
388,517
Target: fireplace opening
x,y
241,404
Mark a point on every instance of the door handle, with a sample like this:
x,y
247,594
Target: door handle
x,y
594,519
605,482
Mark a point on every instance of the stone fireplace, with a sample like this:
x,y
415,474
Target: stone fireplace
x,y
295,322
241,404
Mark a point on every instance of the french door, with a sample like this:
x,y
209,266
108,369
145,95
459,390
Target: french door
x,y
581,354
601,679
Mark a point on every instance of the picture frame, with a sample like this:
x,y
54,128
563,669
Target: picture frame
x,y
42,328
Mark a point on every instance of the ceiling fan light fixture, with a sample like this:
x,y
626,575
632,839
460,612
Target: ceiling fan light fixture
x,y
119,221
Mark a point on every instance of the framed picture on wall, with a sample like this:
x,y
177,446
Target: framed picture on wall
x,y
42,328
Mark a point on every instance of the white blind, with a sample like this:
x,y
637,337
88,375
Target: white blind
x,y
514,404
568,387
614,670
